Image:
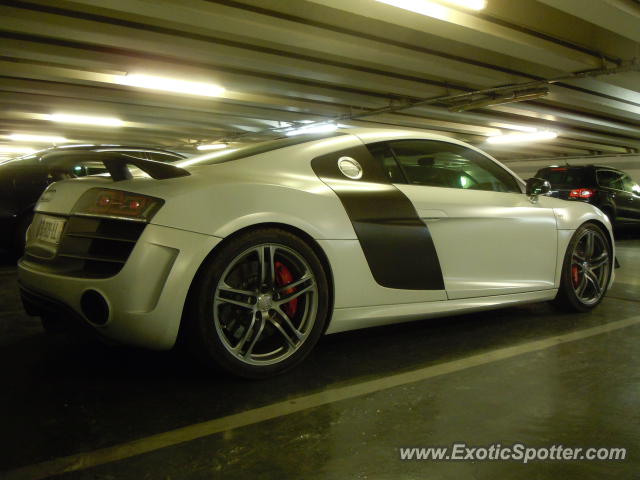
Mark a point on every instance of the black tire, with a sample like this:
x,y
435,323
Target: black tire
x,y
567,298
21,233
210,339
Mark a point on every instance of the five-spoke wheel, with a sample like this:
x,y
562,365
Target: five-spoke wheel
x,y
260,303
590,267
265,304
587,269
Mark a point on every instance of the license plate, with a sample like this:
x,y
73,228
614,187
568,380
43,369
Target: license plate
x,y
50,229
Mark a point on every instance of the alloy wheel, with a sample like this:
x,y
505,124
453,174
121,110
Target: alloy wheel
x,y
590,267
265,304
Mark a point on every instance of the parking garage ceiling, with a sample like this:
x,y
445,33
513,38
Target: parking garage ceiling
x,y
364,62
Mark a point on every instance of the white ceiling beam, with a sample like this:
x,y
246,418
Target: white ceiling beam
x,y
465,27
246,26
614,15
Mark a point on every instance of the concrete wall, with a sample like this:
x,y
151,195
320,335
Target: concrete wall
x,y
528,168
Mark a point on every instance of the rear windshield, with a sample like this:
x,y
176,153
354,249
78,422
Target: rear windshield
x,y
564,176
254,149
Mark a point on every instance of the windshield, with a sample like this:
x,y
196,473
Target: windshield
x,y
253,149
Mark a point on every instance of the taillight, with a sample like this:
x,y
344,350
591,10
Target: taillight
x,y
582,193
104,202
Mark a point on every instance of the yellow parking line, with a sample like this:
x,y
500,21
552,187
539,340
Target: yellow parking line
x,y
122,451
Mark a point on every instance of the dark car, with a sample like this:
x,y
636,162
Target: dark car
x,y
23,180
612,191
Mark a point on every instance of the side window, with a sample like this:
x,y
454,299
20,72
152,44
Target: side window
x,y
629,185
89,168
382,153
610,179
78,171
441,164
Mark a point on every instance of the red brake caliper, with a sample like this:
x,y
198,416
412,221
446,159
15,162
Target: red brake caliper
x,y
284,277
575,275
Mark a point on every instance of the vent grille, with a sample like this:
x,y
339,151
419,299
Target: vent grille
x,y
96,247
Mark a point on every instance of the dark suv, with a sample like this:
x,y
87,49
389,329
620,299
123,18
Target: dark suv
x,y
611,190
23,180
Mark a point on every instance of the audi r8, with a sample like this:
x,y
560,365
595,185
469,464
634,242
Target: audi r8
x,y
248,256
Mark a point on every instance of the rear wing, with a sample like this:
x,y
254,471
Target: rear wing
x,y
116,163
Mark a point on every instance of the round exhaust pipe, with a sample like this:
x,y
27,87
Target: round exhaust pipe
x,y
95,307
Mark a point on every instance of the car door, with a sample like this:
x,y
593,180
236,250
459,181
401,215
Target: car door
x,y
612,181
489,236
632,190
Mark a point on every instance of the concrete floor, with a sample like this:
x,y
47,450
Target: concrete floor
x,y
66,395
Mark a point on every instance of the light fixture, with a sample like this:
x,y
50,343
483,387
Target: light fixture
x,y
515,96
322,128
23,137
212,146
522,137
470,4
13,149
170,85
423,7
519,128
85,120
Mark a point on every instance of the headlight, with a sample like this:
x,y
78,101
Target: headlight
x,y
104,202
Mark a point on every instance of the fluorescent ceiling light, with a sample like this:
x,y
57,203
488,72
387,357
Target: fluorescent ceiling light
x,y
522,137
85,120
171,85
423,7
12,149
323,128
22,137
520,128
470,4
212,146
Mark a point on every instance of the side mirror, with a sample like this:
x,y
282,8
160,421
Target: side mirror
x,y
537,186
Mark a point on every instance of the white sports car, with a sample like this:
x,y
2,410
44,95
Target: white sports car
x,y
252,254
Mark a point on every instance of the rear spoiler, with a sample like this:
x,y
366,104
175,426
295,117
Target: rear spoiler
x,y
116,163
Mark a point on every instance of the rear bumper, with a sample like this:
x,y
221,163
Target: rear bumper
x,y
38,305
144,300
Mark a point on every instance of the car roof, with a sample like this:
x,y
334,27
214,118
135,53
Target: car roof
x,y
364,134
591,165
367,134
607,167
